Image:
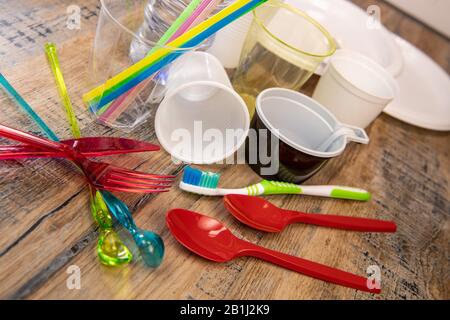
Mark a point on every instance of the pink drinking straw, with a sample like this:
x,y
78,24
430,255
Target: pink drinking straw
x,y
120,104
190,21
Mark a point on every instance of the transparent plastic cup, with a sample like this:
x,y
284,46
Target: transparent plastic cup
x,y
118,34
283,48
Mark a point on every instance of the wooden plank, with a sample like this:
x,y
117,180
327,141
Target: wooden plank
x,y
47,227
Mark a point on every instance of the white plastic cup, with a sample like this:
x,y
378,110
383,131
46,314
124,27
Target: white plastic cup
x,y
201,119
228,42
355,88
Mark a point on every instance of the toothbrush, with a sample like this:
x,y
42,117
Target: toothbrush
x,y
205,183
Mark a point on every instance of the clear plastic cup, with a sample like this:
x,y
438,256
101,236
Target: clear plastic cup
x,y
283,48
118,27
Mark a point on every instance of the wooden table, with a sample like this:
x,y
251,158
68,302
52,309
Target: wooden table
x,y
46,224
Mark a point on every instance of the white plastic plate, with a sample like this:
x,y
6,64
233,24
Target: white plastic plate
x,y
424,98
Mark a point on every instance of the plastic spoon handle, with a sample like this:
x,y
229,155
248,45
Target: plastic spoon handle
x,y
50,50
309,268
343,222
26,107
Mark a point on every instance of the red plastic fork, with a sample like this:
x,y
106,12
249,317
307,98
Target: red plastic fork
x,y
101,175
88,147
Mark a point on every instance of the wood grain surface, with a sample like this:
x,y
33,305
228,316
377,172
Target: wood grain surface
x,y
46,225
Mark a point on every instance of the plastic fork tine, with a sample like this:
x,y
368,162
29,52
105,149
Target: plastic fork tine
x,y
95,172
144,175
112,178
124,176
132,190
125,184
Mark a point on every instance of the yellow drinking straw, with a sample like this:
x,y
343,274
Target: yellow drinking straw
x,y
162,52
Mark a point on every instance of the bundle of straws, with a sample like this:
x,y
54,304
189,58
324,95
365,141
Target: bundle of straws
x,y
186,32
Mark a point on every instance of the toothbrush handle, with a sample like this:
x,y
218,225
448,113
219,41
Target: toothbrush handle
x,y
266,187
338,192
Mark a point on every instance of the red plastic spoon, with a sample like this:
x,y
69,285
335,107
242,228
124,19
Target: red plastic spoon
x,y
211,240
263,215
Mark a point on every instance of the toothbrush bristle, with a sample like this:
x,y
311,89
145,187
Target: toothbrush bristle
x,y
200,178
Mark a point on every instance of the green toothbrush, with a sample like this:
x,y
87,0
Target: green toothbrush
x,y
205,183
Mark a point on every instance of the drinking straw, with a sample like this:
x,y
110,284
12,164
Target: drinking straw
x,y
189,22
141,70
242,1
116,108
176,24
26,107
203,15
50,50
162,52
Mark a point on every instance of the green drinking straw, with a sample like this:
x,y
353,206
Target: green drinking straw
x,y
176,25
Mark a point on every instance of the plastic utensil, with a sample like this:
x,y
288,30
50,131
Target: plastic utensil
x,y
110,249
195,82
101,175
149,65
50,50
150,244
205,183
355,88
211,240
88,147
145,240
260,214
14,95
